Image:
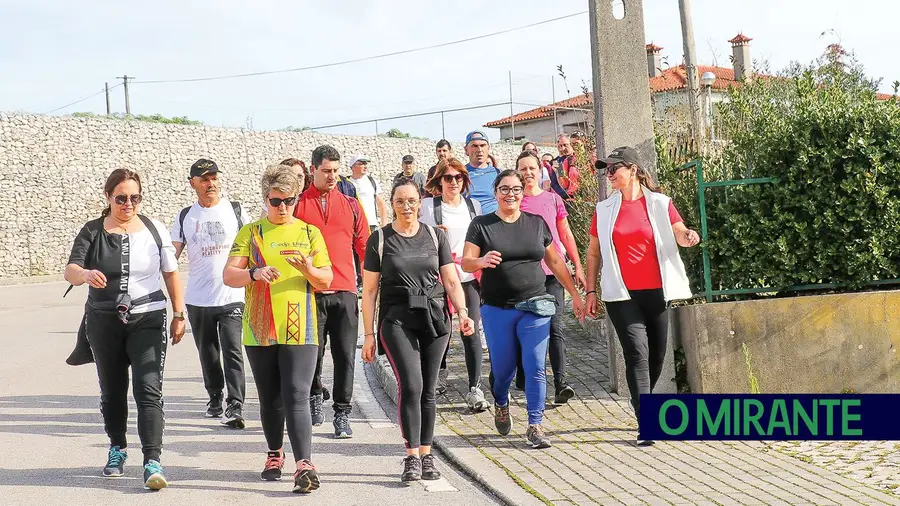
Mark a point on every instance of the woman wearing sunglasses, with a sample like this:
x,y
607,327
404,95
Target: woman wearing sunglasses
x,y
124,257
635,234
452,213
279,260
509,246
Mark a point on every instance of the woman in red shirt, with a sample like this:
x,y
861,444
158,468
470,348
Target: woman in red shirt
x,y
635,234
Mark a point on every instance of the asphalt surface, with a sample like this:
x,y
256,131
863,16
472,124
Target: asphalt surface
x,y
53,443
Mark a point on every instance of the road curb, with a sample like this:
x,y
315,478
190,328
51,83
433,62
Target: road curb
x,y
388,382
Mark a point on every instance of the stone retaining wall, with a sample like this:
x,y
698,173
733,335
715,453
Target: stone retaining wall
x,y
52,171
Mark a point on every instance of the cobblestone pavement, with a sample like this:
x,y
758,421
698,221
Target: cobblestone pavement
x,y
874,463
594,459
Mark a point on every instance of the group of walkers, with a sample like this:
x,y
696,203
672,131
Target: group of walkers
x,y
491,246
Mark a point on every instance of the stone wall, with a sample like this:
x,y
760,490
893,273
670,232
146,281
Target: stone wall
x,y
52,171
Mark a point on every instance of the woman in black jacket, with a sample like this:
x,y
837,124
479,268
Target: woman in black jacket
x,y
408,266
124,257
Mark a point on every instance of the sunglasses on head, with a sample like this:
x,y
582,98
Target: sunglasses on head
x,y
276,202
122,199
449,178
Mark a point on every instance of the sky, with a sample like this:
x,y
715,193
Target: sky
x,y
54,52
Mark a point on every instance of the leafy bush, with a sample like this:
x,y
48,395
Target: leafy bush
x,y
834,214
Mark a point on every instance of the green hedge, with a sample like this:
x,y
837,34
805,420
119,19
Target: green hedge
x,y
834,215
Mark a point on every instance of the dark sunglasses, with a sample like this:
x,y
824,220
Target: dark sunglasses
x,y
276,202
448,178
122,199
610,170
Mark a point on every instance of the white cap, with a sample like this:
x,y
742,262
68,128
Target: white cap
x,y
358,158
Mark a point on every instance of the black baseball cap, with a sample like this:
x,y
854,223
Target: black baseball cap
x,y
408,158
623,154
203,167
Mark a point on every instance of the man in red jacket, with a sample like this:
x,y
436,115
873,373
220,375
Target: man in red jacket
x,y
345,230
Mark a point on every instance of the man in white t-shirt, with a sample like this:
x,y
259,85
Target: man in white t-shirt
x,y
207,229
368,192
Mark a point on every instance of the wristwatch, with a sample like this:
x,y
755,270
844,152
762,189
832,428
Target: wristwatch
x,y
178,314
253,271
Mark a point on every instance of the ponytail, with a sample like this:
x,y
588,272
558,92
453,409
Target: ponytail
x,y
646,180
106,212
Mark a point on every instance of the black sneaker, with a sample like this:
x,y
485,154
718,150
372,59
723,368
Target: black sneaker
x,y
306,479
115,463
234,416
315,410
412,469
645,442
274,465
428,470
563,393
342,428
502,419
214,407
536,437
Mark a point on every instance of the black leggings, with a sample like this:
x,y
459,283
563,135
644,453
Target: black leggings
x,y
472,343
283,374
415,362
141,343
642,325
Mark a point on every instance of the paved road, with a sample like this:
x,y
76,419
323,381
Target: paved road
x,y
53,445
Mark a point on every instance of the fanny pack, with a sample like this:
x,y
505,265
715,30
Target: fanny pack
x,y
542,305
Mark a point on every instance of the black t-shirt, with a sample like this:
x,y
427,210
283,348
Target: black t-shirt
x,y
521,245
407,262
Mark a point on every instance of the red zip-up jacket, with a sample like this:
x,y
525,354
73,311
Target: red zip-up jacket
x,y
344,228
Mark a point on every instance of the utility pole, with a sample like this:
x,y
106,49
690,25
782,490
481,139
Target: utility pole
x,y
555,120
690,68
512,120
443,131
127,99
108,107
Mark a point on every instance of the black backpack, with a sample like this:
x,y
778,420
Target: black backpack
x,y
235,206
438,218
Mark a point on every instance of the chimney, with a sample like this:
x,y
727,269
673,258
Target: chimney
x,y
653,60
740,59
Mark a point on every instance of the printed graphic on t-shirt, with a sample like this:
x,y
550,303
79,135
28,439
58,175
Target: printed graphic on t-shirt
x,y
210,236
283,312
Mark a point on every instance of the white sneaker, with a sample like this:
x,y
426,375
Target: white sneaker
x,y
475,400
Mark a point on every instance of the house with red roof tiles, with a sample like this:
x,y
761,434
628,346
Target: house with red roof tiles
x,y
668,88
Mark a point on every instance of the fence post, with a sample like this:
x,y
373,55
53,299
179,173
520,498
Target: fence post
x,y
701,198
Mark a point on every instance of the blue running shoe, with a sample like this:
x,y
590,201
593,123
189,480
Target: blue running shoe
x,y
115,463
154,479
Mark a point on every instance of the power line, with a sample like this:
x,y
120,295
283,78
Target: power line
x,y
81,100
358,60
414,115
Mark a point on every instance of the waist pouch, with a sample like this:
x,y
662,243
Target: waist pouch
x,y
542,305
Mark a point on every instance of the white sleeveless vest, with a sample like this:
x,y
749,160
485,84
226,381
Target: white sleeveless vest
x,y
674,277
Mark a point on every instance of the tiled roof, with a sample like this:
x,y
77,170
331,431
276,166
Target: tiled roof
x,y
675,78
671,79
545,111
740,39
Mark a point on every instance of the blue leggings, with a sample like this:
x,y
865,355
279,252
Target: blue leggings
x,y
503,329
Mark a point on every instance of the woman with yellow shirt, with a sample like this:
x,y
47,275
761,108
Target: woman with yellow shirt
x,y
279,260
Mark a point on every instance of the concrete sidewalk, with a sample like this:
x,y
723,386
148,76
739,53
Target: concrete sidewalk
x,y
54,447
594,459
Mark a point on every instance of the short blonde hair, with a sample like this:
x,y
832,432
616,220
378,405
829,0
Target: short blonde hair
x,y
279,178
